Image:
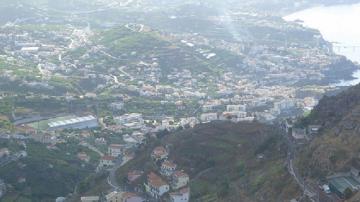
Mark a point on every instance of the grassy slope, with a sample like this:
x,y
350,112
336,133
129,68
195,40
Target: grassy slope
x,y
152,45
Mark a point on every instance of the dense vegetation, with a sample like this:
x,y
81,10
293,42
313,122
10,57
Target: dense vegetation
x,y
47,173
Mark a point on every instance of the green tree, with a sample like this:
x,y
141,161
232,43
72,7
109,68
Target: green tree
x,y
348,193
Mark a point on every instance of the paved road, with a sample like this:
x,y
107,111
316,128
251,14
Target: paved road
x,y
112,179
311,191
308,190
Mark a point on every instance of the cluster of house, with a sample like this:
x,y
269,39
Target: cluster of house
x,y
301,134
169,180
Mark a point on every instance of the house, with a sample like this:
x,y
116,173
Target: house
x,y
44,138
139,137
190,121
234,116
106,161
314,129
90,199
129,140
134,175
123,197
208,107
60,199
116,150
299,133
117,106
167,122
156,186
208,117
100,141
134,120
183,195
83,156
168,168
230,108
159,153
179,179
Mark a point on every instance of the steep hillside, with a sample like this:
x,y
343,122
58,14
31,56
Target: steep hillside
x,y
227,162
338,146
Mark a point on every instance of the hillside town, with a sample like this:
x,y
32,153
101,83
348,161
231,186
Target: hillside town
x,y
86,98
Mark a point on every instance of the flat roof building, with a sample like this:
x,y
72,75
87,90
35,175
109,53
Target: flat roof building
x,y
74,123
339,185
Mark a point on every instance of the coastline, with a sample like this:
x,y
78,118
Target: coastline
x,y
326,18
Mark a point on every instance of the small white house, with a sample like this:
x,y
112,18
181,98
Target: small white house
x,y
116,150
183,195
208,117
179,179
156,186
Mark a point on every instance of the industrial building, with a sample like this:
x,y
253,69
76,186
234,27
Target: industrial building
x,y
74,123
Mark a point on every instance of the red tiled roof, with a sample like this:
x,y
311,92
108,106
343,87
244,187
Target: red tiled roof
x,y
159,151
184,190
155,181
180,174
169,164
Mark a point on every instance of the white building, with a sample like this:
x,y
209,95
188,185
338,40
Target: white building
x,y
155,186
183,195
106,161
208,117
30,49
123,197
234,116
60,199
85,122
90,199
117,106
230,108
285,104
179,179
191,121
168,123
134,120
116,150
